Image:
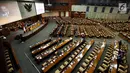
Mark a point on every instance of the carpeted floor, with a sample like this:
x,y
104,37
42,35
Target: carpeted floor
x,y
22,48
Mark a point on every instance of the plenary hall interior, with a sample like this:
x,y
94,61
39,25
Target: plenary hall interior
x,y
64,36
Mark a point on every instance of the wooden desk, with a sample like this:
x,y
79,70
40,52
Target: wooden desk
x,y
42,55
113,65
89,61
40,43
34,52
71,57
50,65
29,34
72,65
54,30
59,30
98,57
108,58
65,30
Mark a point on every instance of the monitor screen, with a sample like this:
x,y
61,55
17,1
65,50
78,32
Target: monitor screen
x,y
40,8
9,12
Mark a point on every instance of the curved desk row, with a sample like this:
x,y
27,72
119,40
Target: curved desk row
x,y
38,44
88,63
82,31
70,58
42,48
110,61
107,59
47,52
114,64
29,34
60,55
77,59
92,67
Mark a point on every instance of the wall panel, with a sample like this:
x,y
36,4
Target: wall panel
x,y
106,14
79,8
107,9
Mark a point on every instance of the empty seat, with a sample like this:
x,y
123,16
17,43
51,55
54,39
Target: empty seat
x,y
70,58
102,69
81,69
9,61
91,55
44,63
6,56
87,60
105,65
57,71
122,71
90,58
65,63
9,65
84,64
62,66
80,48
10,69
49,60
75,53
72,55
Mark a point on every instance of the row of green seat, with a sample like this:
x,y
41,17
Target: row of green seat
x,y
9,62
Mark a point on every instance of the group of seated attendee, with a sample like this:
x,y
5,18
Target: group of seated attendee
x,y
8,61
82,31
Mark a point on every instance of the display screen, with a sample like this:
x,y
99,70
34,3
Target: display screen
x,y
9,12
27,9
40,8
